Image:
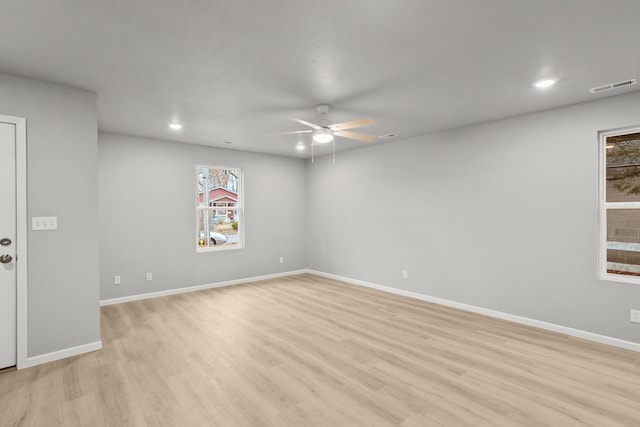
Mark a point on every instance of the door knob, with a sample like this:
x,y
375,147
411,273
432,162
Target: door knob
x,y
5,242
5,258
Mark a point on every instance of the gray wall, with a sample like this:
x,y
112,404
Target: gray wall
x,y
147,215
502,215
63,294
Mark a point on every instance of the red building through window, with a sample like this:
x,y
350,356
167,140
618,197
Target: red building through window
x,y
220,197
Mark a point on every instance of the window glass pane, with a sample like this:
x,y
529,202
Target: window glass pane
x,y
223,226
223,185
623,168
623,241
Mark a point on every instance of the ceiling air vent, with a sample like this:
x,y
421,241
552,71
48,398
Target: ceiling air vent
x,y
612,86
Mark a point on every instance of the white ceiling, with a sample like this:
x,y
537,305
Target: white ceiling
x,y
237,70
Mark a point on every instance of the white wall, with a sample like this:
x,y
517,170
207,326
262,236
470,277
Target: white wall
x,y
147,216
63,294
501,215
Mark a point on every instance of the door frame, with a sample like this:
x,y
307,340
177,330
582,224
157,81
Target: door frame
x,y
21,237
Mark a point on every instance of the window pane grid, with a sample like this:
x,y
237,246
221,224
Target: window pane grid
x,y
628,205
620,206
218,208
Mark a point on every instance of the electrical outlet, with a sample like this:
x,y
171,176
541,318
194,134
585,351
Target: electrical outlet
x,y
405,275
281,260
116,280
635,316
149,276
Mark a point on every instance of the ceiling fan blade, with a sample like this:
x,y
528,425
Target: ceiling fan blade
x,y
358,123
353,135
288,133
311,125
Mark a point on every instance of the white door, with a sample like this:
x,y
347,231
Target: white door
x,y
7,245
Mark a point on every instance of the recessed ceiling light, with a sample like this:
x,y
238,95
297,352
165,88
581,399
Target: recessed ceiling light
x,y
175,126
300,146
545,83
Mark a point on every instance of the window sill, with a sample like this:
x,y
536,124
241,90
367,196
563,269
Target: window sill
x,y
219,249
634,280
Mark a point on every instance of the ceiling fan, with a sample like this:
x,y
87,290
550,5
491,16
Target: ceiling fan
x,y
325,131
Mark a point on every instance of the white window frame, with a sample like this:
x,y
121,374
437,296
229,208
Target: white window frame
x,y
239,206
606,206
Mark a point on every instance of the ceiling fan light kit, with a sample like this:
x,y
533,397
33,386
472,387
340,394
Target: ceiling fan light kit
x,y
322,135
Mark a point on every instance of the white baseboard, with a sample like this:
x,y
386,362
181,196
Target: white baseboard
x,y
198,288
602,339
61,354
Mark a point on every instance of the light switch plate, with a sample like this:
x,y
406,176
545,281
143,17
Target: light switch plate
x,y
44,223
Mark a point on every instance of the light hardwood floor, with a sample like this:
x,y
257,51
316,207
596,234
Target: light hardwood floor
x,y
307,351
